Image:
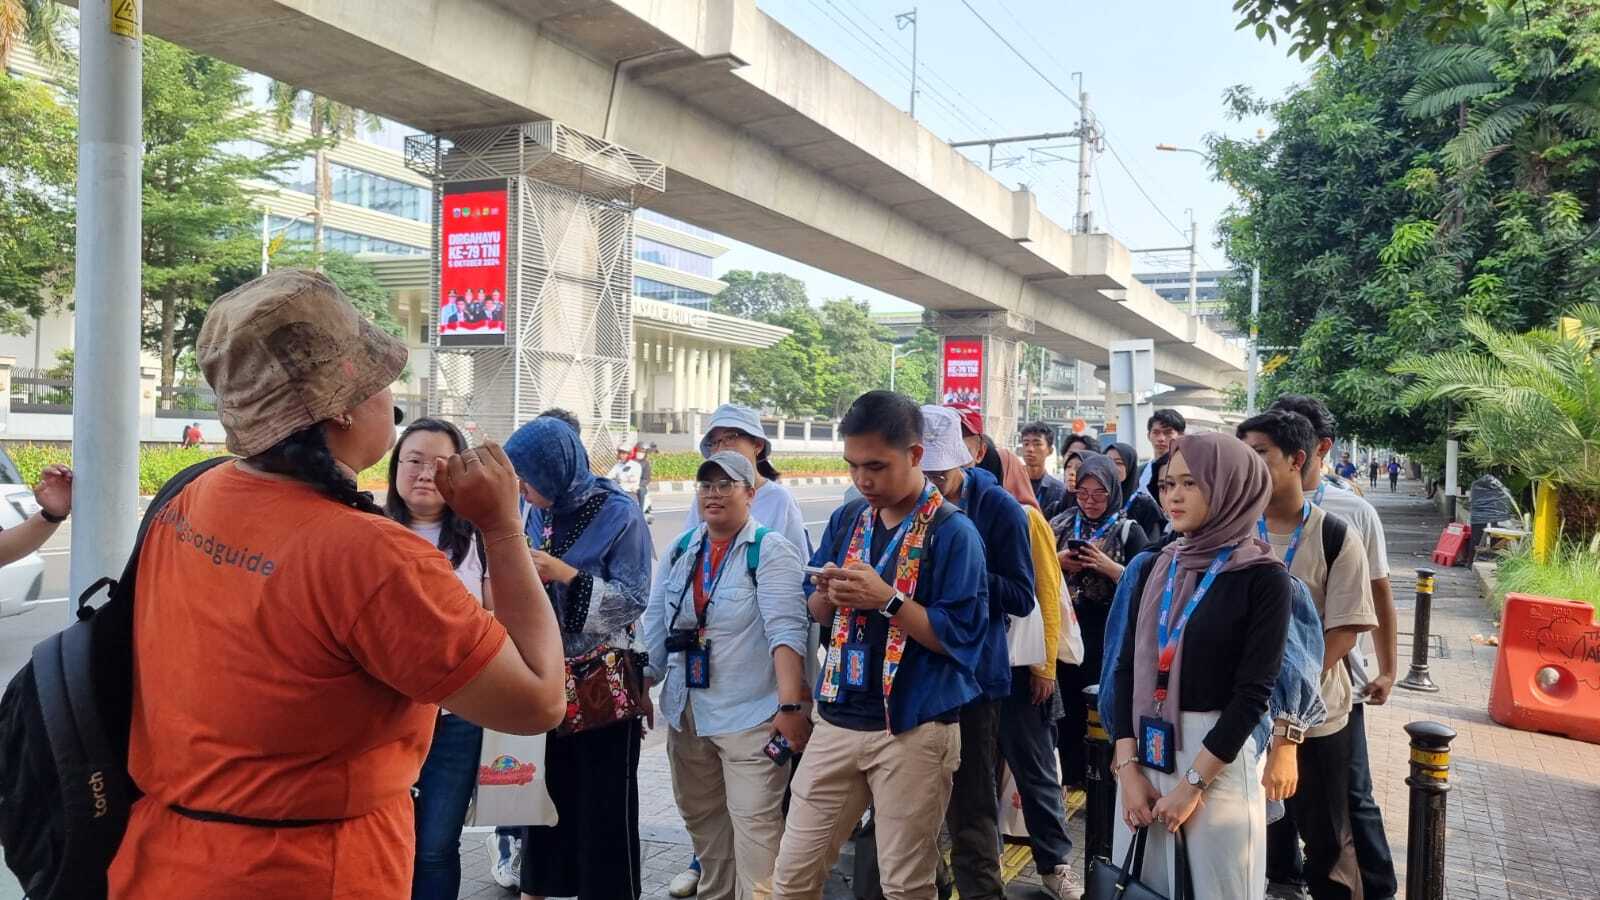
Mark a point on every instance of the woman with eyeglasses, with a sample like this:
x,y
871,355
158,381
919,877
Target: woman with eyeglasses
x,y
449,773
1137,503
1095,539
726,630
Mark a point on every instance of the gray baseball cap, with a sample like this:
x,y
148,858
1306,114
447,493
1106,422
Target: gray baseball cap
x,y
734,465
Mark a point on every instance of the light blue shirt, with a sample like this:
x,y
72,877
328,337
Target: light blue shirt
x,y
745,625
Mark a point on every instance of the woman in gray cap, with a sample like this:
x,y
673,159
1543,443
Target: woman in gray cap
x,y
292,644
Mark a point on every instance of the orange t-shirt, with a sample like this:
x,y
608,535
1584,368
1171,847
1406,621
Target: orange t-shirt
x,y
288,653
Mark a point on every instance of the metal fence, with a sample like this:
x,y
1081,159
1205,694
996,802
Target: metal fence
x,y
37,391
185,402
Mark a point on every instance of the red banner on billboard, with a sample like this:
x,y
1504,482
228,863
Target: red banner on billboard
x,y
963,372
472,268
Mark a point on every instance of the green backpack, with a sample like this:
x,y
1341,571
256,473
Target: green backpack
x,y
752,551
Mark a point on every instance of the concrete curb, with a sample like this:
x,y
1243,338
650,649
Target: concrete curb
x,y
687,487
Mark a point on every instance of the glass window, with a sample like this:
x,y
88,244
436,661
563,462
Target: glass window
x,y
362,188
650,215
671,257
651,289
301,231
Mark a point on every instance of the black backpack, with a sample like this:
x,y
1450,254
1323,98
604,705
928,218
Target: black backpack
x,y
65,793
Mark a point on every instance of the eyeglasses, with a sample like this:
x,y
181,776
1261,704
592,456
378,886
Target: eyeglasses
x,y
716,488
725,439
1091,495
416,462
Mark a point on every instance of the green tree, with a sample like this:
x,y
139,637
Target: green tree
x,y
918,363
1339,26
38,164
1527,403
759,295
37,23
860,348
329,122
791,376
198,221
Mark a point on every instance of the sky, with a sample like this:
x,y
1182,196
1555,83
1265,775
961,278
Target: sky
x,y
1155,71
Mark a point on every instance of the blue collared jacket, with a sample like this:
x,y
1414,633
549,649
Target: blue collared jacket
x,y
1003,527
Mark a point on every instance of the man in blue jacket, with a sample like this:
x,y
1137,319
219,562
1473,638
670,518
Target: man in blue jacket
x,y
973,816
905,604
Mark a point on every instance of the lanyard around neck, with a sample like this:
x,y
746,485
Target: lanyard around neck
x,y
1294,541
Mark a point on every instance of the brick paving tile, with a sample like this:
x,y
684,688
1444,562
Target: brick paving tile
x,y
1523,819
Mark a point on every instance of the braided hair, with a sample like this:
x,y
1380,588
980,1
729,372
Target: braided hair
x,y
456,534
304,455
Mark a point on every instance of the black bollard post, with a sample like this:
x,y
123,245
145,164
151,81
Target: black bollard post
x,y
1101,801
1429,782
1417,679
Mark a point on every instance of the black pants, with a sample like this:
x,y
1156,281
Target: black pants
x,y
973,816
1071,680
1378,880
593,852
1320,810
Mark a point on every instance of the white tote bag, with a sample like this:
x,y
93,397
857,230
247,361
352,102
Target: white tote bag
x,y
511,782
1025,638
1069,649
1012,824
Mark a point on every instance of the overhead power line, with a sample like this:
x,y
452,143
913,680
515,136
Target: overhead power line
x,y
1026,61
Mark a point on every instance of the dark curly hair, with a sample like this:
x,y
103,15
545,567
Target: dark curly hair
x,y
456,534
304,455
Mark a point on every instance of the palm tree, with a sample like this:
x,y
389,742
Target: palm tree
x,y
1505,94
329,122
34,22
1529,403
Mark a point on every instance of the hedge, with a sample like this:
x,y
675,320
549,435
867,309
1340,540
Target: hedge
x,y
682,466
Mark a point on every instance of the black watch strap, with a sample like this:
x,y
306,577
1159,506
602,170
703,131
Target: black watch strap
x,y
53,520
790,707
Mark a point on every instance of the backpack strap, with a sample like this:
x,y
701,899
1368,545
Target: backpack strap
x,y
681,546
752,553
1334,530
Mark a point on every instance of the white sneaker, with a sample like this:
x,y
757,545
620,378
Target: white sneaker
x,y
1062,883
685,883
505,860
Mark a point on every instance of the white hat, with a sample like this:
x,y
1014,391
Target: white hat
x,y
942,446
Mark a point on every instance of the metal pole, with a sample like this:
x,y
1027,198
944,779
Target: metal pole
x,y
1194,272
1085,147
913,62
1255,341
1425,830
265,239
105,381
892,349
1101,794
1417,679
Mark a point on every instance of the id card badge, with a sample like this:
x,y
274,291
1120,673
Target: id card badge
x,y
1156,737
697,666
855,666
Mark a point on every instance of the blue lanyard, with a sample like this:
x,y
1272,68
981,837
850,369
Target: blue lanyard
x,y
1098,533
1294,542
899,533
1169,633
1322,488
708,578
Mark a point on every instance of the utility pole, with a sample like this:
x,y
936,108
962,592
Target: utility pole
x,y
1088,135
901,20
1255,341
1194,275
105,380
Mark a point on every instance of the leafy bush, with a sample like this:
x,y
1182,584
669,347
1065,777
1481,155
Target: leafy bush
x,y
1573,573
157,463
682,466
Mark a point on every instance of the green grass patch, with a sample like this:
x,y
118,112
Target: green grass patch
x,y
682,466
1573,573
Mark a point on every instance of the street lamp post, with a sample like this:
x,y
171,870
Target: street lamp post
x,y
267,234
894,358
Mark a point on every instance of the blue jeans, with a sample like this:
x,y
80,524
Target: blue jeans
x,y
1028,743
443,791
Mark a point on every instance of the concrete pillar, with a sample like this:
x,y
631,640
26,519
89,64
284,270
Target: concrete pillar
x,y
725,389
680,376
714,380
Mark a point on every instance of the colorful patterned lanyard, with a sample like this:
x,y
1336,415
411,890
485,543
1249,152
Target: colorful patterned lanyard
x,y
1169,634
908,567
1098,533
1294,542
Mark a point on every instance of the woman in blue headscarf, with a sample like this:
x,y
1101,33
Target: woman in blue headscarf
x,y
593,551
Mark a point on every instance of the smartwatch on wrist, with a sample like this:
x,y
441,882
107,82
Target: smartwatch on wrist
x,y
52,519
893,606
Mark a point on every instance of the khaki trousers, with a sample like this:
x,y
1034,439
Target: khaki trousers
x,y
908,775
731,798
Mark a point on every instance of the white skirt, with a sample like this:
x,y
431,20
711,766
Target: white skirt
x,y
1227,835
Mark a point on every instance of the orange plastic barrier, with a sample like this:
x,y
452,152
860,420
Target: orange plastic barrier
x,y
1547,673
1452,543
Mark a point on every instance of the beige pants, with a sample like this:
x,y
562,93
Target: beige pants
x,y
731,798
909,774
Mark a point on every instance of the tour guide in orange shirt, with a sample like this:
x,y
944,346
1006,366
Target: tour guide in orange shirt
x,y
291,642
905,604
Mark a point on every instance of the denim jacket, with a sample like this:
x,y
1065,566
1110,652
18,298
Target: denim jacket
x,y
1296,698
745,624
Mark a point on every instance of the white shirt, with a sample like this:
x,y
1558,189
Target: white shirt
x,y
470,571
1368,527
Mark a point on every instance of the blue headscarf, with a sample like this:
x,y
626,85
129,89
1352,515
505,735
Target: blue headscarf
x,y
614,549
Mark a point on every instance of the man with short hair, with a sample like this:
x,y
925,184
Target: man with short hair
x,y
905,601
1164,427
1325,554
1372,682
1038,442
1345,469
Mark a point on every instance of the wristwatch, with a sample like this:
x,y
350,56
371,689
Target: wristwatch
x,y
1294,734
46,515
790,708
1193,777
893,606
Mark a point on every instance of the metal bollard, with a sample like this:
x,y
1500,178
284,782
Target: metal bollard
x,y
1429,782
1417,679
1101,801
